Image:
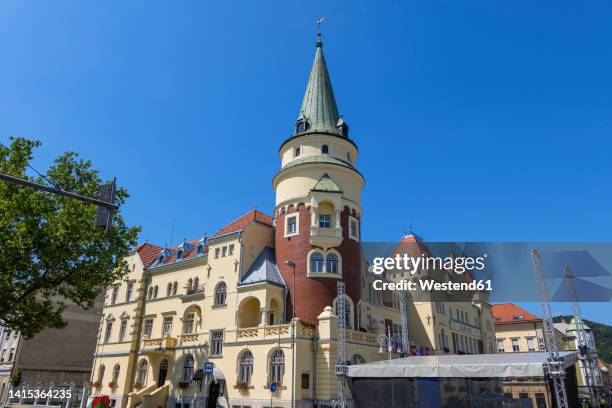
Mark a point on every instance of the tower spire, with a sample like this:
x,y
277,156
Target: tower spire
x,y
319,111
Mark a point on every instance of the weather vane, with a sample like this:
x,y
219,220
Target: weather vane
x,y
319,21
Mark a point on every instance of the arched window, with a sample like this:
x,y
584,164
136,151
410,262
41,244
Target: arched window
x,y
150,294
277,366
189,284
348,156
155,291
325,149
301,126
331,265
101,373
143,368
357,359
316,262
188,368
220,293
196,283
116,371
246,367
297,151
174,288
169,289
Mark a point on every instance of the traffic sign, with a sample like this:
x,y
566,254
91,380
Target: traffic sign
x,y
208,368
273,387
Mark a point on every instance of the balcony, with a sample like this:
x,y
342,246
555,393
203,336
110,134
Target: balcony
x,y
325,237
272,332
189,338
193,293
159,345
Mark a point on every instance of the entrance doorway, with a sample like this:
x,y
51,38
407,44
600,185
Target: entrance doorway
x,y
213,394
163,372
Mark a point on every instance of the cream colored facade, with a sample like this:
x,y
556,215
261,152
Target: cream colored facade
x,y
251,319
226,300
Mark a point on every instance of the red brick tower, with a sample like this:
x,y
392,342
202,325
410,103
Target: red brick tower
x,y
318,211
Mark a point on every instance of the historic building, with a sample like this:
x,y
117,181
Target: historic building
x,y
230,298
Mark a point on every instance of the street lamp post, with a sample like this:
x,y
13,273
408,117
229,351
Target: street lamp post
x,y
291,264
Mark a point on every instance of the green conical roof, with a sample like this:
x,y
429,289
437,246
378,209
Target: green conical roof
x,y
572,325
319,108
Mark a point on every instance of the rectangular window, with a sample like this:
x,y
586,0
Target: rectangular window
x,y
115,294
217,342
217,251
231,249
109,331
167,327
188,326
129,291
291,225
224,251
540,400
500,346
305,381
325,221
515,345
11,354
122,329
531,344
148,328
353,229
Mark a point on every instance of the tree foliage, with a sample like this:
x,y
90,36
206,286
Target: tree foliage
x,y
50,250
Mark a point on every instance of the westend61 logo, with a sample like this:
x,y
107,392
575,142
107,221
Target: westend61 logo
x,y
411,264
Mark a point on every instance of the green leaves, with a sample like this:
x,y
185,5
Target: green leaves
x,y
50,250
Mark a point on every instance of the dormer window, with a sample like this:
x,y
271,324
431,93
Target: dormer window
x,y
325,149
160,258
179,254
200,249
301,126
297,151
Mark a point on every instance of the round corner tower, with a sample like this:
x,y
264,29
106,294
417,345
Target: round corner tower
x,y
318,210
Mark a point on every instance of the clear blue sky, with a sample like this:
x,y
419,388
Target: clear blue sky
x,y
476,120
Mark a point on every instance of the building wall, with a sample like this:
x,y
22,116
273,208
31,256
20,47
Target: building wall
x,y
521,332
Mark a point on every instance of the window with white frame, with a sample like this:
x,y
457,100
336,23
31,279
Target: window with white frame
x,y
246,367
316,262
115,294
220,294
216,342
500,346
109,331
224,251
515,345
325,221
277,366
148,328
217,251
353,228
331,263
167,326
291,225
231,250
116,371
531,346
122,329
129,291
188,324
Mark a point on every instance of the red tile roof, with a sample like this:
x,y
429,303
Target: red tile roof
x,y
509,313
147,252
242,222
410,245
